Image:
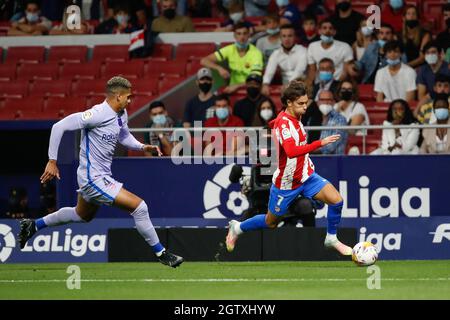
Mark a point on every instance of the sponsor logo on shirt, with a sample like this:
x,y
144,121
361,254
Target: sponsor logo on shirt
x,y
87,115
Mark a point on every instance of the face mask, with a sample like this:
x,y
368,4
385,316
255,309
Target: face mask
x,y
381,43
346,95
282,3
241,46
32,17
412,23
272,32
236,17
222,113
325,109
366,31
122,19
393,62
431,58
169,13
343,6
205,87
310,33
326,39
325,76
266,114
160,119
441,114
253,92
396,4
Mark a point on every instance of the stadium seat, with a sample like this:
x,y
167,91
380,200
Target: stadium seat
x,y
147,87
33,54
163,50
33,115
63,106
35,104
433,7
90,70
132,69
106,53
206,24
377,117
44,71
95,99
169,83
366,92
137,102
193,66
89,87
16,89
372,143
170,68
68,54
188,51
59,88
7,72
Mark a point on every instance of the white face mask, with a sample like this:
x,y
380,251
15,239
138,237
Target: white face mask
x,y
366,31
431,58
237,16
266,114
325,109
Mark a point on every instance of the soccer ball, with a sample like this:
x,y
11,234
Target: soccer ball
x,y
364,254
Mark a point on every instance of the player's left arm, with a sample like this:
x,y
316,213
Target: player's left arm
x,y
129,141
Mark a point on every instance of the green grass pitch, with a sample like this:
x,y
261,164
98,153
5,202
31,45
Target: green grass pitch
x,y
228,280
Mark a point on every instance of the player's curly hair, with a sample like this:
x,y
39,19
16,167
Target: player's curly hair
x,y
117,83
294,90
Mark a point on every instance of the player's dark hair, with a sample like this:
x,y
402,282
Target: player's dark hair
x,y
408,118
116,83
156,104
392,46
294,90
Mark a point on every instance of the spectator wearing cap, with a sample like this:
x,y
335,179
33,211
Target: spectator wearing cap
x,y
290,59
32,23
169,21
397,80
347,21
242,58
245,108
159,119
435,64
200,107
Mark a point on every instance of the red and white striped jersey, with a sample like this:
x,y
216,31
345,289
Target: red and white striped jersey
x,y
294,163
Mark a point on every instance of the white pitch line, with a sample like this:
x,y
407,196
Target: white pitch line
x,y
222,280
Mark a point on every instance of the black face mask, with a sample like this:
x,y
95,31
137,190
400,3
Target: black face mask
x,y
346,95
343,6
205,87
412,23
253,92
169,13
447,22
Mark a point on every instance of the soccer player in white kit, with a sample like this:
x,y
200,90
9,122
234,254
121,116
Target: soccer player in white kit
x,y
102,127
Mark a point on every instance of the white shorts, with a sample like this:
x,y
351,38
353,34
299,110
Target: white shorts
x,y
103,190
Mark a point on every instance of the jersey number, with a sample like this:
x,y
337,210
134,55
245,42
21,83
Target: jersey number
x,y
280,199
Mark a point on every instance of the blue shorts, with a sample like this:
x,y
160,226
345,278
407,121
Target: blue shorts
x,y
280,200
102,190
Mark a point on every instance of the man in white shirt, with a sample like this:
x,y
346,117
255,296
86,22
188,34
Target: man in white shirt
x,y
397,80
291,58
340,52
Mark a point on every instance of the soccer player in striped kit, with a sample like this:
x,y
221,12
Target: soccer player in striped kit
x,y
295,174
102,127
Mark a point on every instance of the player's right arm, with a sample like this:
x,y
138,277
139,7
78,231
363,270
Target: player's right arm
x,y
75,121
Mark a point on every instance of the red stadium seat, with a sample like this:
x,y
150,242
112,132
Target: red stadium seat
x,y
169,83
366,92
65,106
89,87
68,54
137,103
44,71
163,50
170,68
188,51
132,69
60,88
16,89
89,70
35,104
95,99
33,54
7,72
372,143
147,87
34,115
377,117
110,53
193,66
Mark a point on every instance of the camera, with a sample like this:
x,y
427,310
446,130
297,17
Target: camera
x,y
256,188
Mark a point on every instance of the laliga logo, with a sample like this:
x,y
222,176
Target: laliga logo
x,y
9,240
236,202
389,241
442,232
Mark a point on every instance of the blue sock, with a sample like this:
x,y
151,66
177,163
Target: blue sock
x,y
254,223
157,248
40,224
334,216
